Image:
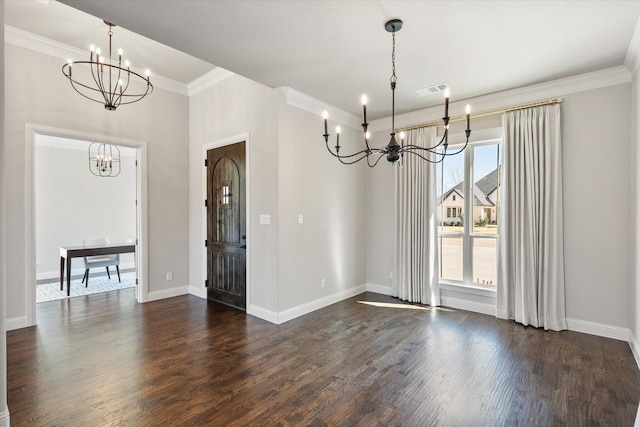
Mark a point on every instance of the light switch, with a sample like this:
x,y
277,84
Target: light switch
x,y
300,219
265,219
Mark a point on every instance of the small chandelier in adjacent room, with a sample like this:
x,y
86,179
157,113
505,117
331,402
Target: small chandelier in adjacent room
x,y
104,159
105,80
393,150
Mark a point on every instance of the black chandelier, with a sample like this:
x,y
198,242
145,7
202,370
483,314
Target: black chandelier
x,y
393,150
107,82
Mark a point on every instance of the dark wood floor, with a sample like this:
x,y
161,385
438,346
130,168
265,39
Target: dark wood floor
x,y
105,360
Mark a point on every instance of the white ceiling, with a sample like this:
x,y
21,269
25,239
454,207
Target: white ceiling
x,y
336,50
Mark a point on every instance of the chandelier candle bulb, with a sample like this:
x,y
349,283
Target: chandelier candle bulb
x,y
467,111
447,94
325,116
364,107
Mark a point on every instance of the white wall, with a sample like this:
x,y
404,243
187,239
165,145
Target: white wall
x,y
634,306
4,411
72,204
596,143
38,94
329,244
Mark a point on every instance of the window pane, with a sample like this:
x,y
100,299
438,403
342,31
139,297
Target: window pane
x,y
485,262
486,167
451,258
450,177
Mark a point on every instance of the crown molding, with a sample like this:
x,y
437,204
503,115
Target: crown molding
x,y
34,42
632,59
305,102
509,98
205,81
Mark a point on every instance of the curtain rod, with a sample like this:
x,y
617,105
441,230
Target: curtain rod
x,y
485,114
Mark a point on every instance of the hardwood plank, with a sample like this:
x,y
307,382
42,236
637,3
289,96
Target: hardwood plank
x,y
105,360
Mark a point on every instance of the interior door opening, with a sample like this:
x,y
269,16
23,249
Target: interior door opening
x,y
74,207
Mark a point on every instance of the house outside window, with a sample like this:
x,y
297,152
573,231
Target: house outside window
x,y
468,246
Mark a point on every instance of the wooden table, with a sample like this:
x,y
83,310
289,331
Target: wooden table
x,y
70,252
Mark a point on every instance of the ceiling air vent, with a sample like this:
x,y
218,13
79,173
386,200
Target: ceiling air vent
x,y
432,89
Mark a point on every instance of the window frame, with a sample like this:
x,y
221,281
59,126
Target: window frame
x,y
467,235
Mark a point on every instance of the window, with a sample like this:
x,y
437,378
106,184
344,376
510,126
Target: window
x,y
225,195
454,212
468,246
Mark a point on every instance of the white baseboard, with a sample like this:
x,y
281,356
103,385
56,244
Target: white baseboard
x,y
378,289
263,313
635,348
167,293
47,275
16,323
461,304
199,292
599,329
4,418
301,310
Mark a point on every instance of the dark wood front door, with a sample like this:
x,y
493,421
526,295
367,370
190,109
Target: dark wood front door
x,y
226,225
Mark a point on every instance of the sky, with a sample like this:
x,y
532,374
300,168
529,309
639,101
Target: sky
x,y
485,161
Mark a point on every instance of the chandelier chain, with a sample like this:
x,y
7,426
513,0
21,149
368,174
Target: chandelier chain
x,y
394,78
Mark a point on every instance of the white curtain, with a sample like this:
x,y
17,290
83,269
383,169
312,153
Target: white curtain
x,y
531,257
416,272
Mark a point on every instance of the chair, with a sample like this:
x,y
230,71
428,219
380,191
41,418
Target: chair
x,y
99,260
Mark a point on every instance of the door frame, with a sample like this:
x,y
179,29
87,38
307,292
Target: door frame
x,y
141,256
206,147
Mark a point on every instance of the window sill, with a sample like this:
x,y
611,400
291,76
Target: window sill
x,y
469,289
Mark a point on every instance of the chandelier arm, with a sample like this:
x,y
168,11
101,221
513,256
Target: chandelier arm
x,y
351,162
345,156
376,162
99,97
426,158
366,143
118,100
95,74
457,152
103,89
118,93
416,147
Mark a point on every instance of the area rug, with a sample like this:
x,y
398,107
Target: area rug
x,y
51,291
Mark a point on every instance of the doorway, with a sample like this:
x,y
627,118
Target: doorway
x,y
141,257
76,207
226,242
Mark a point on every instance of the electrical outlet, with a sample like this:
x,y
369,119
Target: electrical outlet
x,y
169,276
322,283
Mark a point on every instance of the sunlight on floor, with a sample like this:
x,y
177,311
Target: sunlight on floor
x,y
405,306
